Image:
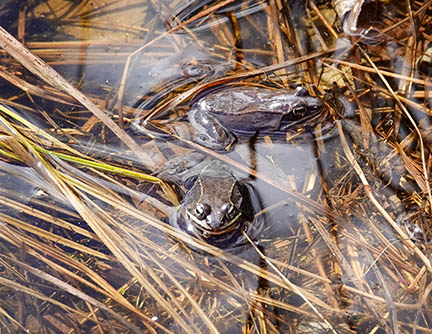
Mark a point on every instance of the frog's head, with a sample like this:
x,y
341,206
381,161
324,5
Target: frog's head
x,y
213,205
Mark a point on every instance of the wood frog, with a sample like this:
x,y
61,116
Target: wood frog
x,y
216,206
245,111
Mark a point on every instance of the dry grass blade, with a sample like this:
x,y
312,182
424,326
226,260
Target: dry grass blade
x,y
360,67
70,289
397,228
80,158
24,289
32,89
291,286
13,321
36,65
122,251
197,307
50,236
36,249
406,112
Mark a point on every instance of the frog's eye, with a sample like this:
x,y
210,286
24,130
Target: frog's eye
x,y
299,110
203,138
201,211
206,234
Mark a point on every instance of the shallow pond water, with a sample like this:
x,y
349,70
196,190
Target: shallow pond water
x,y
86,240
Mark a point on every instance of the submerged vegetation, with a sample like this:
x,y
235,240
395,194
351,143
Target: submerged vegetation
x,y
94,98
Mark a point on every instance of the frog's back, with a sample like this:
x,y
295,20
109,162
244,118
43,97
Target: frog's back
x,y
244,111
240,100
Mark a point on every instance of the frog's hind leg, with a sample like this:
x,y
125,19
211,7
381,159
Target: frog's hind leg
x,y
209,131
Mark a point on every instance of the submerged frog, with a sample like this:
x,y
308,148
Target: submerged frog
x,y
216,206
245,111
418,224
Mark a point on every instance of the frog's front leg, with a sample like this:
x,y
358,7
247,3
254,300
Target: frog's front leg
x,y
209,131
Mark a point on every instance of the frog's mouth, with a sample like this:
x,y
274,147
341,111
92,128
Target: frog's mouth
x,y
207,232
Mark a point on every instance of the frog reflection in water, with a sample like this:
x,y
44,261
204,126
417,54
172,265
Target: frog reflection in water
x,y
216,205
245,111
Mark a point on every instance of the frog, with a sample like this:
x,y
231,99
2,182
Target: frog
x,y
220,117
216,206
